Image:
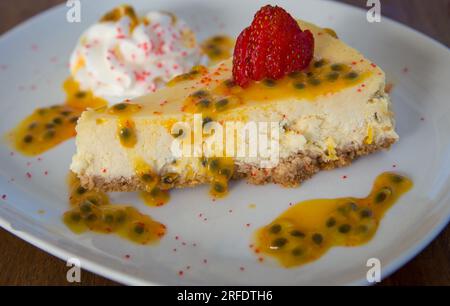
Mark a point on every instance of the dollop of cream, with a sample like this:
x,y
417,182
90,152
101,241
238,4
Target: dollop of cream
x,y
126,57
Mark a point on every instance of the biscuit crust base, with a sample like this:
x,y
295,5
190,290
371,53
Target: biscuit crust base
x,y
290,172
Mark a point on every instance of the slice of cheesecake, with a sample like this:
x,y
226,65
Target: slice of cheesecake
x,y
329,114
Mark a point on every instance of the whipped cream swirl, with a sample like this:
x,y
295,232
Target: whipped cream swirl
x,y
130,57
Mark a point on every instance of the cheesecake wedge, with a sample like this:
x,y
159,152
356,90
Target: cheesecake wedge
x,y
328,114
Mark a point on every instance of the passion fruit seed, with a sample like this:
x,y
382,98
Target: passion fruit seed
x,y
269,82
366,213
299,85
120,106
278,243
147,177
75,217
49,134
65,113
200,94
42,111
214,164
397,178
297,233
80,94
344,228
351,75
49,126
204,103
317,238
225,173
229,83
314,81
275,229
28,139
81,190
219,187
33,125
331,222
125,133
57,120
73,119
86,207
139,229
337,67
383,194
319,63
295,74
333,76
169,178
297,252
221,104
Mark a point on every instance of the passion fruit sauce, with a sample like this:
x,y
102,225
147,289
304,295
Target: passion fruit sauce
x,y
218,48
92,211
49,126
309,229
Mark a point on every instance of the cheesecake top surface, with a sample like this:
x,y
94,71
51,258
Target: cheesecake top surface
x,y
336,67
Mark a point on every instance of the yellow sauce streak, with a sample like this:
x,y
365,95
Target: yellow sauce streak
x,y
156,188
220,170
321,78
127,132
196,72
126,129
218,48
49,126
309,229
92,211
117,13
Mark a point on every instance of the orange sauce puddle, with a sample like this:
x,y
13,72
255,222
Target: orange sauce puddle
x,y
49,126
309,229
92,211
218,48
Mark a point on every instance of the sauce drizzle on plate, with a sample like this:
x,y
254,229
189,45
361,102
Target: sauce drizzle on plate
x,y
307,230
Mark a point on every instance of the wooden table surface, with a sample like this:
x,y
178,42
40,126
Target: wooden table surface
x,y
24,264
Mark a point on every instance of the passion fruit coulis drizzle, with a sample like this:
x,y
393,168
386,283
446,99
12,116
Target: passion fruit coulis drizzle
x,y
49,126
156,187
320,78
92,211
218,48
309,229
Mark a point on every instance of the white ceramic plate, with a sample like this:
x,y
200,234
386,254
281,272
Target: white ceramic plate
x,y
33,64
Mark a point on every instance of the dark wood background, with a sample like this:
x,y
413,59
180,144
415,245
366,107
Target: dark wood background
x,y
24,264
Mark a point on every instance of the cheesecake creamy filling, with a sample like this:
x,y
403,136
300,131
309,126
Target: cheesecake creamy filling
x,y
330,113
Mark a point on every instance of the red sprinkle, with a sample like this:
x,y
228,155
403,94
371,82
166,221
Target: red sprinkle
x,y
29,175
4,197
127,256
180,273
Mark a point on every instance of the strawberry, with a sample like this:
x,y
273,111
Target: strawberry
x,y
271,47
